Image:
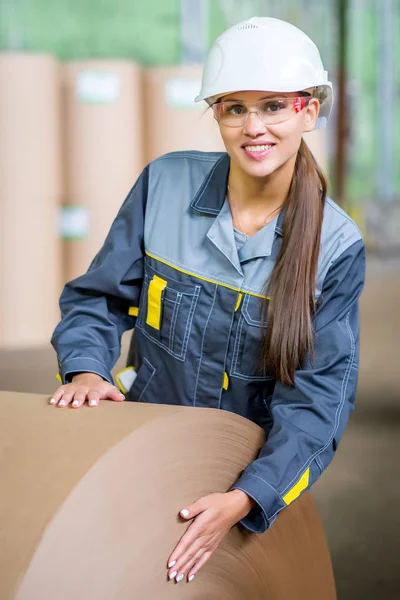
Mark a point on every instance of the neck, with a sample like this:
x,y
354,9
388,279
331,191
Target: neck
x,y
260,193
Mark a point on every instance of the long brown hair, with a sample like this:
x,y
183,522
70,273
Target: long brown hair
x,y
289,331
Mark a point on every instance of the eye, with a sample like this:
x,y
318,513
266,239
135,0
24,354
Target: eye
x,y
235,109
273,106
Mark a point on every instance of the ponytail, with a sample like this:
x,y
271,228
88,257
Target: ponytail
x,y
289,331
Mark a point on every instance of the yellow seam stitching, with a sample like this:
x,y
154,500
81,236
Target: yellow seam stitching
x,y
230,287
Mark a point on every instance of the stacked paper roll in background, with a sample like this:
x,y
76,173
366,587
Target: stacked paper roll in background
x,y
90,501
103,138
173,121
317,141
30,194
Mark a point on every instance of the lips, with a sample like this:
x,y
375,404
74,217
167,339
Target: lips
x,y
257,151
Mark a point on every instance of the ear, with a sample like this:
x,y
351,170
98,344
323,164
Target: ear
x,y
311,113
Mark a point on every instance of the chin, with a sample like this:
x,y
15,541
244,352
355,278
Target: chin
x,y
260,169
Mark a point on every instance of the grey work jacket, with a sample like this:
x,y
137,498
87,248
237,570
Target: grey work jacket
x,y
170,268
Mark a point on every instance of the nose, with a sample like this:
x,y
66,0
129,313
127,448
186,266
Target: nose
x,y
253,126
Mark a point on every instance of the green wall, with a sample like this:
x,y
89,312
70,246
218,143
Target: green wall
x,y
144,30
147,31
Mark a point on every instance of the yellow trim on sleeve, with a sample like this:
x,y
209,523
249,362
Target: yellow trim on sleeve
x,y
154,296
239,299
230,287
296,490
58,377
226,381
133,311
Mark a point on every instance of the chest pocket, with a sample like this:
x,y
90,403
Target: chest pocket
x,y
246,362
166,312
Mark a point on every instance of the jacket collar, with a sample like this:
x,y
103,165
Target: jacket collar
x,y
211,195
260,244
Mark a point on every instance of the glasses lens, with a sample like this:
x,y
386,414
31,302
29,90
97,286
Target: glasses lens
x,y
275,110
230,114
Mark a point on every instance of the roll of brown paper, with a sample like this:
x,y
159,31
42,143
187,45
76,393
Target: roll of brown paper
x,y
173,121
317,141
103,131
90,501
30,195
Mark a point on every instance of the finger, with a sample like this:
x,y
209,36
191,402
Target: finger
x,y
113,393
79,399
189,564
57,395
180,565
93,398
67,397
201,562
191,511
191,535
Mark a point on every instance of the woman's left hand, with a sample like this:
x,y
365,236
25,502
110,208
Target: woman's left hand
x,y
213,515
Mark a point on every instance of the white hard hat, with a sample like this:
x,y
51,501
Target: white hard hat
x,y
269,55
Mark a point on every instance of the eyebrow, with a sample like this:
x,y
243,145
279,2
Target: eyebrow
x,y
276,95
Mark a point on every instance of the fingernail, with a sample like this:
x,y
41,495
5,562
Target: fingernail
x,y
75,403
171,564
173,575
93,403
53,401
122,396
185,512
179,578
191,578
61,403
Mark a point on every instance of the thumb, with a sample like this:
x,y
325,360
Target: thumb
x,y
192,510
114,394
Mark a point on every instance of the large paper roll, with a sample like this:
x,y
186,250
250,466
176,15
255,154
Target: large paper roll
x,y
90,501
173,121
317,141
103,132
30,195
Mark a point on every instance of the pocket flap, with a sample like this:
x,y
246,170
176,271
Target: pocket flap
x,y
156,288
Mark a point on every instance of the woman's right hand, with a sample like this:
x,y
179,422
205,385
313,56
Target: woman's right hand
x,y
85,387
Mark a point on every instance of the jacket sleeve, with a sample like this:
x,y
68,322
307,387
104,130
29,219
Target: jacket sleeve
x,y
310,417
95,306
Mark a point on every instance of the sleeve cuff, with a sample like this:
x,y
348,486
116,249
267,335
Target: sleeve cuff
x,y
269,503
85,365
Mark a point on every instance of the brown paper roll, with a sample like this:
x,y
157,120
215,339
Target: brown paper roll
x,y
90,499
103,114
30,194
172,119
317,141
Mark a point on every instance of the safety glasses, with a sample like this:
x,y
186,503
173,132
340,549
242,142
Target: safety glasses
x,y
271,111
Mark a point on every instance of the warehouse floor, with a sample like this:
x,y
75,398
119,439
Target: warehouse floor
x,y
358,497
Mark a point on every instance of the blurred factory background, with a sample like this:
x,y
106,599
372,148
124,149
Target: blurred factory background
x,y
91,91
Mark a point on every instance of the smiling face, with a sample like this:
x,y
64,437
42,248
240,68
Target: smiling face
x,y
258,149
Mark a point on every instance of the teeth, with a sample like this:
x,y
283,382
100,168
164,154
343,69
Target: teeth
x,y
257,148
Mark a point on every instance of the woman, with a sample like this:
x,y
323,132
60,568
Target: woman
x,y
241,279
